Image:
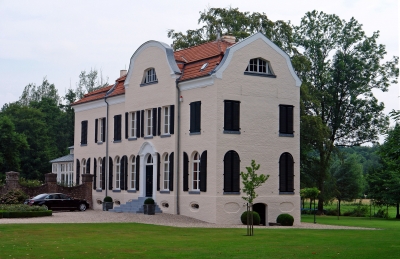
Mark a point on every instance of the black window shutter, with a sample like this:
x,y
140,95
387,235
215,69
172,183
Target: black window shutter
x,y
192,117
282,119
235,172
154,121
78,171
94,173
171,171
126,173
110,174
289,115
172,119
142,124
84,132
158,171
282,173
103,174
103,121
137,172
88,166
126,124
115,128
198,116
122,173
159,122
203,172
96,122
138,124
228,172
228,115
236,116
185,172
117,123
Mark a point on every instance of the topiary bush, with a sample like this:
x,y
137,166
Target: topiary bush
x,y
256,218
16,196
285,219
108,199
149,201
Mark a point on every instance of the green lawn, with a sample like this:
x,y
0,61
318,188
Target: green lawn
x,y
131,240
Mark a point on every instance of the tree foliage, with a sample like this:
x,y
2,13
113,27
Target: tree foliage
x,y
338,107
33,93
89,81
251,181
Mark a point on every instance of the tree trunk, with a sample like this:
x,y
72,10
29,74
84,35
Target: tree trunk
x,y
339,207
398,214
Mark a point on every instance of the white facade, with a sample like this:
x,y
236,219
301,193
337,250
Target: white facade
x,y
64,168
183,162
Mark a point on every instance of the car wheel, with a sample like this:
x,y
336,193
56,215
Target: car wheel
x,y
82,207
45,207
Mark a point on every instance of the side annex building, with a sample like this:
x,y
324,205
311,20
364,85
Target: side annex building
x,y
180,126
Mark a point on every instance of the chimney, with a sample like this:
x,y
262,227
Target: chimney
x,y
122,73
229,38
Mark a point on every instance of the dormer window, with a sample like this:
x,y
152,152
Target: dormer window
x,y
149,77
259,67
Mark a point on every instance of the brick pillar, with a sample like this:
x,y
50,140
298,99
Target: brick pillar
x,y
87,181
51,180
12,181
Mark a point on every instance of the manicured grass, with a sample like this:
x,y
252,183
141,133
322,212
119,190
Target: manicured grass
x,y
131,240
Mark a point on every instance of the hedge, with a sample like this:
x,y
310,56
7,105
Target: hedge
x,y
25,214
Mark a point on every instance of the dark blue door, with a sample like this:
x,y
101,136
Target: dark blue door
x,y
149,180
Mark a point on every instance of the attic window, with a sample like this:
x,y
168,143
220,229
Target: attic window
x,y
259,67
149,77
203,66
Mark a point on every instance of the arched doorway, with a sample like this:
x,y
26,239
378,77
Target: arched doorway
x,y
261,209
149,176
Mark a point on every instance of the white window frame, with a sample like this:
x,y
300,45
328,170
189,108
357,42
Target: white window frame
x,y
133,129
148,122
83,171
101,130
166,119
196,172
100,181
256,64
166,172
117,173
54,168
150,76
132,173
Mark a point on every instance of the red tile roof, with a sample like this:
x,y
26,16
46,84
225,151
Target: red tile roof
x,y
189,61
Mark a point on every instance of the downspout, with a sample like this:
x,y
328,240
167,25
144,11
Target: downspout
x,y
178,143
107,168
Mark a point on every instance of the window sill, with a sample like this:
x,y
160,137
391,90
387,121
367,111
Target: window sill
x,y
286,135
133,138
286,193
148,137
117,141
165,191
232,132
194,192
195,133
99,142
259,74
131,191
118,190
231,193
151,83
165,136
83,145
99,190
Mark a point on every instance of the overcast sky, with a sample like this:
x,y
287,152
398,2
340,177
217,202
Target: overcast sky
x,y
59,39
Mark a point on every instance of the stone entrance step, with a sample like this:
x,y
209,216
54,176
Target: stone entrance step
x,y
133,206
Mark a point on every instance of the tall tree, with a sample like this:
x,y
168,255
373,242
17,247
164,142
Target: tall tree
x,y
33,93
230,21
339,107
89,82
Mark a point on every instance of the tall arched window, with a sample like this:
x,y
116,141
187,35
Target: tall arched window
x,y
83,170
166,172
231,172
286,174
117,173
132,173
100,181
149,76
196,172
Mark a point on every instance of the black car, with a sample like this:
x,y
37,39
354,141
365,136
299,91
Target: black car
x,y
58,201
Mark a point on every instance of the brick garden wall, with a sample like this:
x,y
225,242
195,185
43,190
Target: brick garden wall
x,y
83,191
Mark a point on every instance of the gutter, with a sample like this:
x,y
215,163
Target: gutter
x,y
178,143
106,164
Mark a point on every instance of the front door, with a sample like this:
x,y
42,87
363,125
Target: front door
x,y
149,180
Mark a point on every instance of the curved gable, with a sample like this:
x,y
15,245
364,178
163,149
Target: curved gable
x,y
231,50
169,54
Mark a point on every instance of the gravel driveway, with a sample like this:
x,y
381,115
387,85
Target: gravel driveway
x,y
97,216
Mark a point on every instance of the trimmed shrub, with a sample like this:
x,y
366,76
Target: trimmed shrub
x,y
149,201
285,219
25,214
256,218
108,199
20,207
15,196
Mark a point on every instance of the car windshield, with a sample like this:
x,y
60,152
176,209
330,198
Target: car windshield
x,y
40,196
